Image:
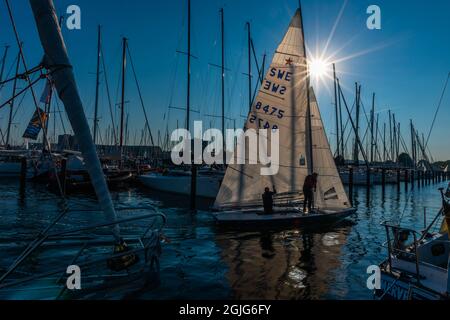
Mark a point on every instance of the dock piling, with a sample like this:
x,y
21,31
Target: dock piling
x,y
350,184
406,179
63,175
23,176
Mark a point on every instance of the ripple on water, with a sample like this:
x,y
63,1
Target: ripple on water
x,y
201,261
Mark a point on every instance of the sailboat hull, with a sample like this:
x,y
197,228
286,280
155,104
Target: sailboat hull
x,y
207,186
282,216
10,169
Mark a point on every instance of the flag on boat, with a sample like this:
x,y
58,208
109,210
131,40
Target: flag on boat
x,y
35,125
47,94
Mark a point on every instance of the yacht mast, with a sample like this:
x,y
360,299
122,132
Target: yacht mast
x,y
122,103
97,82
308,110
223,84
11,106
57,61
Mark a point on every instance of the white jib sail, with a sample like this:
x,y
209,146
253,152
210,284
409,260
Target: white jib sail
x,y
282,103
330,190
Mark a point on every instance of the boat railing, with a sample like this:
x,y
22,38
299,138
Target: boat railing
x,y
398,247
148,244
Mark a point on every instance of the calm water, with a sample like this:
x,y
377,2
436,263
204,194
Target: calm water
x,y
204,262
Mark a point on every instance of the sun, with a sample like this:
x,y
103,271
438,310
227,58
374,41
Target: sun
x,y
319,68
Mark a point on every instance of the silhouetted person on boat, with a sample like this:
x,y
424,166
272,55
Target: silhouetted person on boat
x,y
309,187
268,200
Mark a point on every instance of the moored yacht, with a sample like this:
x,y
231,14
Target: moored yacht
x,y
179,182
417,267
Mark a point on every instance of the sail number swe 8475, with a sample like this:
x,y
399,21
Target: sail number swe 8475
x,y
267,110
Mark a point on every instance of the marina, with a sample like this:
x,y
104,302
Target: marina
x,y
310,188
202,261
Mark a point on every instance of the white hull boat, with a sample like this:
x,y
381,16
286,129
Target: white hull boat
x,y
418,264
360,177
281,216
11,162
10,169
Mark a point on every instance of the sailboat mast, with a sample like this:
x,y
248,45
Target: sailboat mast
x,y
384,142
391,153
337,111
11,106
413,146
249,39
223,83
122,104
356,149
340,119
188,108
394,126
377,131
57,61
97,82
188,96
372,127
308,110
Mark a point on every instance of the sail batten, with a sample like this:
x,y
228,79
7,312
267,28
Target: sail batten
x,y
282,103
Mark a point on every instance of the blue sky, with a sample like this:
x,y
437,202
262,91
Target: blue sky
x,y
405,63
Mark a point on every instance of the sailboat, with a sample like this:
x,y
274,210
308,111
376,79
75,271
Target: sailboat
x,y
304,148
207,181
418,263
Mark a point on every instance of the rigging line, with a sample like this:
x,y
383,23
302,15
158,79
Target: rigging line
x,y
22,56
256,60
60,116
140,95
437,110
345,127
29,86
9,72
358,141
3,136
403,143
22,75
20,104
378,134
108,95
117,89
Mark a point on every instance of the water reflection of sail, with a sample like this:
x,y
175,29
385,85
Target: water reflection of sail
x,y
285,265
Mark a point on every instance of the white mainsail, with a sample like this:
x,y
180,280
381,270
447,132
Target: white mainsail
x,y
282,103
